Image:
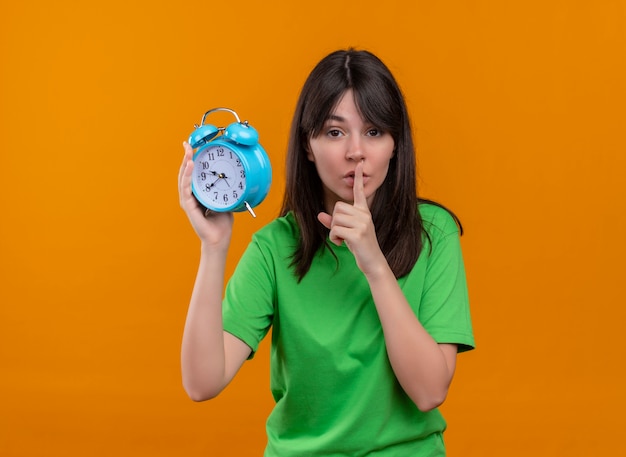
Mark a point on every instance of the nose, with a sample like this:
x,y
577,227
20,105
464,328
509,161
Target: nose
x,y
355,148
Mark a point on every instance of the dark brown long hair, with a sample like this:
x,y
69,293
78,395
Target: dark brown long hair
x,y
395,205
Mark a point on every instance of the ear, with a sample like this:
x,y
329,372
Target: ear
x,y
309,152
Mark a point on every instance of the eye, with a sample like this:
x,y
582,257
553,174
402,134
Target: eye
x,y
334,133
374,132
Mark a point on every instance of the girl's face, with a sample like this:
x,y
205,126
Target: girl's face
x,y
345,140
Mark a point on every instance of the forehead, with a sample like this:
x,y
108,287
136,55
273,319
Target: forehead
x,y
345,109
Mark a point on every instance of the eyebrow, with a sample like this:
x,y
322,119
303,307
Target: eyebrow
x,y
334,117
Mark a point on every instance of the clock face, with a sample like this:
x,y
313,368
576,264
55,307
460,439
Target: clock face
x,y
218,176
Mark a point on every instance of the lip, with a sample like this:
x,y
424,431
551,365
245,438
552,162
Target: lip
x,y
348,178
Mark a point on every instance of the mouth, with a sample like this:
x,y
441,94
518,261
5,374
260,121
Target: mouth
x,y
352,174
349,178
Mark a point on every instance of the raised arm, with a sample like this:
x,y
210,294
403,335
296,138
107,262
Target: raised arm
x,y
210,357
423,367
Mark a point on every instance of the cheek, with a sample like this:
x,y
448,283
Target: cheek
x,y
316,150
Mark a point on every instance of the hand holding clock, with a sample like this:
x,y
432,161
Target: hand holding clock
x,y
213,228
353,224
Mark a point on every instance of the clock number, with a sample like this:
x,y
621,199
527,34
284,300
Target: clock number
x,y
238,161
220,152
216,194
206,165
242,173
240,185
235,194
225,198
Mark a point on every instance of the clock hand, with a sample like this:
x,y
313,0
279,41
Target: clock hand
x,y
224,177
219,176
213,183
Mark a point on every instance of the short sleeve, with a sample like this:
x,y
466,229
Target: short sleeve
x,y
444,304
248,304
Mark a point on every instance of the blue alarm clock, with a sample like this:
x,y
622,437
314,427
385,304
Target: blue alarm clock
x,y
232,172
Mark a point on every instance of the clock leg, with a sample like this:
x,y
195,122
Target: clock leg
x,y
249,208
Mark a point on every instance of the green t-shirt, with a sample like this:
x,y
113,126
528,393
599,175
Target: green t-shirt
x,y
335,391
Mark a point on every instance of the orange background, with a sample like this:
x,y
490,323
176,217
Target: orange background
x,y
519,109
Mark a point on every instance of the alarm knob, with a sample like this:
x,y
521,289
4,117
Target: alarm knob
x,y
242,133
202,135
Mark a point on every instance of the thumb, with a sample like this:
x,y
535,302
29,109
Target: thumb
x,y
326,219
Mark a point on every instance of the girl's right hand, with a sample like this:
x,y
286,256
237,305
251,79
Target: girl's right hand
x,y
214,229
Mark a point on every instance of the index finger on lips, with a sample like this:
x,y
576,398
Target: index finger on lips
x,y
359,191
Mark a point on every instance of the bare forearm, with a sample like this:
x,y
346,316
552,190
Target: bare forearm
x,y
418,361
202,354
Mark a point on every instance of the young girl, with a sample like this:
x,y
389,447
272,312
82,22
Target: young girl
x,y
362,283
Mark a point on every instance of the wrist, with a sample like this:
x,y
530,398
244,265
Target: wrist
x,y
214,249
380,271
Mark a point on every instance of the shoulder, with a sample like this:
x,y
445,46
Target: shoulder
x,y
270,246
281,231
437,220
